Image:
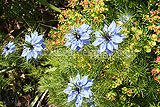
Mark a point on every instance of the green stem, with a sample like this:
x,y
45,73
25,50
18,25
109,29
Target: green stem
x,y
43,2
8,69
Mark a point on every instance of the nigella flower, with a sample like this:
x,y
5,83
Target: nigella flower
x,y
123,19
33,45
78,88
109,38
9,48
78,37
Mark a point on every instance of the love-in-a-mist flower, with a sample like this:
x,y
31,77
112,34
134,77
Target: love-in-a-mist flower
x,y
123,19
90,102
78,88
108,38
33,45
9,48
78,37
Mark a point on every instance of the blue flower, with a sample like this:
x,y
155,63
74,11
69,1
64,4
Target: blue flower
x,y
33,45
78,37
123,19
78,88
9,48
109,38
90,102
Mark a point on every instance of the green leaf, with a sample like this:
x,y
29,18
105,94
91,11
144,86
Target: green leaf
x,y
43,2
35,100
51,69
1,104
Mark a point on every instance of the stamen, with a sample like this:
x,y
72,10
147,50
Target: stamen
x,y
31,47
7,48
78,89
77,35
106,35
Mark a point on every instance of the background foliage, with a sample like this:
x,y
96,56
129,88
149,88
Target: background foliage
x,y
130,77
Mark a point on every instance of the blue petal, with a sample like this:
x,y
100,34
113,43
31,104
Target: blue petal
x,y
27,38
74,45
115,45
80,43
85,93
68,36
118,29
70,79
29,55
78,77
34,54
71,96
89,83
71,84
97,41
12,50
98,33
39,52
109,52
39,39
89,31
122,35
67,43
105,28
102,47
86,41
112,26
78,48
6,53
120,22
35,39
117,39
67,90
25,52
75,81
85,36
78,100
90,93
12,46
38,48
43,46
110,46
35,33
83,28
74,29
34,36
83,80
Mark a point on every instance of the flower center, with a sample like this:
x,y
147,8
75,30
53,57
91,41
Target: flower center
x,y
78,89
77,36
31,46
106,35
7,48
